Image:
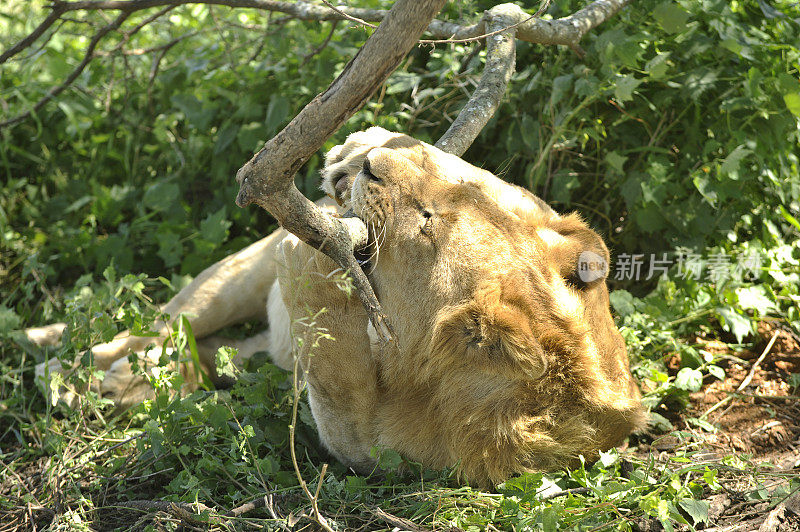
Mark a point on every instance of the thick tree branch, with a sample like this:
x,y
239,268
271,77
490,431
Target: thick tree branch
x,y
268,178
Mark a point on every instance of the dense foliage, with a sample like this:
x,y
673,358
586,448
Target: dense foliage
x,y
677,132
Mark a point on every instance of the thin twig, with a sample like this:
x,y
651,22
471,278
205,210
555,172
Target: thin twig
x,y
297,388
321,47
349,17
55,91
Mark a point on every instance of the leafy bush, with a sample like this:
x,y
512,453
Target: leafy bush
x,y
677,132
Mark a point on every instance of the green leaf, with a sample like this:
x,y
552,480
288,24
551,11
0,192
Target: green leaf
x,y
161,197
730,165
530,132
624,87
525,486
250,136
622,301
792,100
355,485
225,137
631,189
224,361
561,85
616,161
277,113
214,228
671,17
788,217
170,249
8,320
716,371
388,459
196,113
204,379
650,218
755,298
689,379
659,422
704,185
658,66
735,323
697,510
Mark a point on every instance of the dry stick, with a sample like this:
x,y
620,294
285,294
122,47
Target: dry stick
x,y
267,179
398,522
747,379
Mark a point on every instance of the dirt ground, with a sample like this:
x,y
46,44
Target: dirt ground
x,y
756,410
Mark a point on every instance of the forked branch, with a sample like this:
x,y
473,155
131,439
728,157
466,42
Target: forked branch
x,y
268,178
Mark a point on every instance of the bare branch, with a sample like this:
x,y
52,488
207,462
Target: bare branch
x,y
568,31
513,22
54,15
87,57
267,179
500,58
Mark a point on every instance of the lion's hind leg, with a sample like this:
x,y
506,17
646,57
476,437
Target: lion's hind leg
x,y
49,335
129,387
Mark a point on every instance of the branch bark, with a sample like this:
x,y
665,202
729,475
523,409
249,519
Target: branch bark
x,y
499,66
267,179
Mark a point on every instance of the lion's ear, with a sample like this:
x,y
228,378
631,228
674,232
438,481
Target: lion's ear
x,y
492,331
581,256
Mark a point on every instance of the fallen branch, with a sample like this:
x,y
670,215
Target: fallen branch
x,y
398,522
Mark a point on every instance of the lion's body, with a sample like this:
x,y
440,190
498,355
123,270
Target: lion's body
x,y
503,361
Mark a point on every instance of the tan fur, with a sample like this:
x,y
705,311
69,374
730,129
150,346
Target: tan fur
x,y
500,366
501,363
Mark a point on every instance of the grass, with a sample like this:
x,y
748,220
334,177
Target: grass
x,y
247,457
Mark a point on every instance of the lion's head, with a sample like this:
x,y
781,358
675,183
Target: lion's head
x,y
489,288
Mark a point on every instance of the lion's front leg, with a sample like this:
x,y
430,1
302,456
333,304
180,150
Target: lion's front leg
x,y
332,346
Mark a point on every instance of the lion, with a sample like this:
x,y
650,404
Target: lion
x,y
505,358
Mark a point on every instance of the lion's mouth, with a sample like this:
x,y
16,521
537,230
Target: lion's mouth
x,y
365,252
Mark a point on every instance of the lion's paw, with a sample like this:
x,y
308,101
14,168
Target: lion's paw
x,y
126,387
309,279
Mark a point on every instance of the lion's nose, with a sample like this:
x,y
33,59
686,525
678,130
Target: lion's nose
x,y
368,172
